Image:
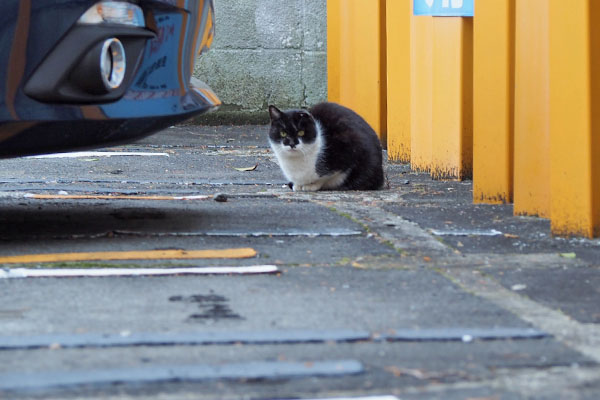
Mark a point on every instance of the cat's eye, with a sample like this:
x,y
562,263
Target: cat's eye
x,y
300,133
282,134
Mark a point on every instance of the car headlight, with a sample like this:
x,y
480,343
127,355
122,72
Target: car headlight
x,y
114,12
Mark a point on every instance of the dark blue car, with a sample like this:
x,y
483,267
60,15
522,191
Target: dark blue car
x,y
85,73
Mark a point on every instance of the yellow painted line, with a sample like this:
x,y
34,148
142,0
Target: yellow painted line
x,y
110,197
130,255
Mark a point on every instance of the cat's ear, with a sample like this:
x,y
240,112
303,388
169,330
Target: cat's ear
x,y
275,113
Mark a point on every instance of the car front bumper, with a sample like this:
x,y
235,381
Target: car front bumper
x,y
43,108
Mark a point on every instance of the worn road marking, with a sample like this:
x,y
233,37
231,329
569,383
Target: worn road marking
x,y
106,272
359,398
291,233
464,334
110,197
80,154
584,338
93,340
466,232
266,370
130,255
402,234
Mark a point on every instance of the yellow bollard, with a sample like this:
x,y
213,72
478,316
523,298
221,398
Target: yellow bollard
x,y
398,17
575,117
452,128
421,89
357,52
493,105
532,118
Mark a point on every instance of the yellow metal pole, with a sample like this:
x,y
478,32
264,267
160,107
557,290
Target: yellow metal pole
x,y
532,107
333,49
398,16
452,129
421,89
493,105
362,77
575,117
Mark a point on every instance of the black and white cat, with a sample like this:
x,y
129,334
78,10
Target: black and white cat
x,y
326,147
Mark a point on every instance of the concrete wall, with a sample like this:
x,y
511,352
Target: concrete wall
x,y
266,52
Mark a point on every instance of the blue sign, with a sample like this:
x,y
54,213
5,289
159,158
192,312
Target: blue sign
x,y
444,8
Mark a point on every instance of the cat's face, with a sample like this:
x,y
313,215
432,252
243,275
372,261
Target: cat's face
x,y
292,131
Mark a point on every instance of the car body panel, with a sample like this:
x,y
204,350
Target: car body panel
x,y
162,90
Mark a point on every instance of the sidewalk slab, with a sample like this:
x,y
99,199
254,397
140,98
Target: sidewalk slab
x,y
300,298
428,292
446,209
574,291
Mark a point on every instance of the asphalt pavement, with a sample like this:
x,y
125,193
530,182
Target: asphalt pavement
x,y
411,292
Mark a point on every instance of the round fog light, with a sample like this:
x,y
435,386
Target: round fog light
x,y
112,63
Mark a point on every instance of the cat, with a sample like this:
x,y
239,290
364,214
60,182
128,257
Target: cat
x,y
327,147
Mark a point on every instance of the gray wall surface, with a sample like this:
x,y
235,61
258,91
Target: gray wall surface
x,y
265,52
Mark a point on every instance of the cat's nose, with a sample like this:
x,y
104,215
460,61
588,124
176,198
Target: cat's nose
x,y
293,145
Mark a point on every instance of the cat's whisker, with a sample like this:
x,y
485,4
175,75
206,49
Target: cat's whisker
x,y
302,150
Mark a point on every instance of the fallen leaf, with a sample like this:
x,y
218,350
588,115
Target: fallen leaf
x,y
568,255
426,258
483,398
247,168
511,236
415,373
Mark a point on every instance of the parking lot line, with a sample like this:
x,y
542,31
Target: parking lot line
x,y
111,197
251,370
80,154
123,272
130,255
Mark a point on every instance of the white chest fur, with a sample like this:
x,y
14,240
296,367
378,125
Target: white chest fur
x,y
299,165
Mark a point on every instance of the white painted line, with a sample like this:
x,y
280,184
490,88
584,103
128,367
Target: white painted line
x,y
467,232
106,272
252,370
79,154
359,398
62,195
584,338
197,197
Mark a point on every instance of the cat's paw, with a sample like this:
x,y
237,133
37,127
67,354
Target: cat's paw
x,y
313,187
